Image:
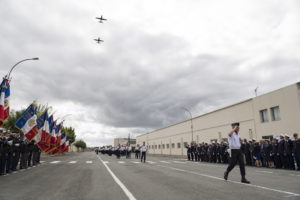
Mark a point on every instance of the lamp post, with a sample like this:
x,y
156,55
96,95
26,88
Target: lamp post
x,y
191,121
19,63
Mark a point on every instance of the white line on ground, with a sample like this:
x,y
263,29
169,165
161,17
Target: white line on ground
x,y
42,161
151,162
54,162
106,162
217,178
135,162
117,180
264,172
73,162
164,162
178,162
121,162
89,162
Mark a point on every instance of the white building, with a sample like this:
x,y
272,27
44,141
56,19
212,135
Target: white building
x,y
265,116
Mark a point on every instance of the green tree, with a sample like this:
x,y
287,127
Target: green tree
x,y
80,144
10,122
70,131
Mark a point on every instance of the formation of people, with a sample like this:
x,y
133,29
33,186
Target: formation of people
x,y
17,153
282,152
125,150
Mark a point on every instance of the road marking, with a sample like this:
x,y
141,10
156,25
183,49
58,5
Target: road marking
x,y
179,162
106,162
217,178
15,172
123,187
164,161
135,162
121,162
56,161
42,161
151,162
264,172
73,162
89,162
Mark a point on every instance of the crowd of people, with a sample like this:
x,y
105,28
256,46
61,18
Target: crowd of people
x,y
124,150
17,153
282,152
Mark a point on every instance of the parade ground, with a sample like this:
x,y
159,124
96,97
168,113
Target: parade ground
x,y
91,176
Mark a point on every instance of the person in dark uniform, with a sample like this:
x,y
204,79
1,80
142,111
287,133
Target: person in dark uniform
x,y
193,151
296,150
274,154
137,151
16,152
288,149
24,154
35,154
2,154
247,153
30,152
9,153
188,151
283,160
236,154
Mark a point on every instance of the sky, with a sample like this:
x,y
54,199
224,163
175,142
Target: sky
x,y
157,57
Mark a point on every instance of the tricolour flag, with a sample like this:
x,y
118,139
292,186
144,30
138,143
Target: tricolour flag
x,y
66,145
42,126
27,122
61,145
4,100
52,138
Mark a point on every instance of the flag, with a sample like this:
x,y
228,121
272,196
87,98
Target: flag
x,y
58,133
27,122
42,126
4,100
66,148
61,145
52,139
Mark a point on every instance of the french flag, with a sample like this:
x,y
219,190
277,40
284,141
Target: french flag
x,y
43,127
4,100
27,122
58,133
61,145
66,144
52,138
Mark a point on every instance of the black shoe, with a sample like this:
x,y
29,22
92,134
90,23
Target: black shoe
x,y
244,180
225,176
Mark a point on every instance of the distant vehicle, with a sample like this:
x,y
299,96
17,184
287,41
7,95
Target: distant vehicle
x,y
98,40
101,19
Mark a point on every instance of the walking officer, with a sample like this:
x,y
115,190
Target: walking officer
x,y
236,154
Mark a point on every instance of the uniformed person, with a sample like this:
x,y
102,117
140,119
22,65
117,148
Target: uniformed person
x,y
236,153
143,150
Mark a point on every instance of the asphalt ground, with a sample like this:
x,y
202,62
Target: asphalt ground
x,y
90,176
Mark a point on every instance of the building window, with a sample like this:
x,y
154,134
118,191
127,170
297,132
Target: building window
x,y
155,146
149,146
268,137
159,146
163,146
264,115
275,113
185,144
168,146
173,145
178,145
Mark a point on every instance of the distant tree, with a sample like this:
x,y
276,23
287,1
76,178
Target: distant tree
x,y
80,144
70,131
10,122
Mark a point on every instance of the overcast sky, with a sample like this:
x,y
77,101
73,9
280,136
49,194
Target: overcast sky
x,y
157,56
